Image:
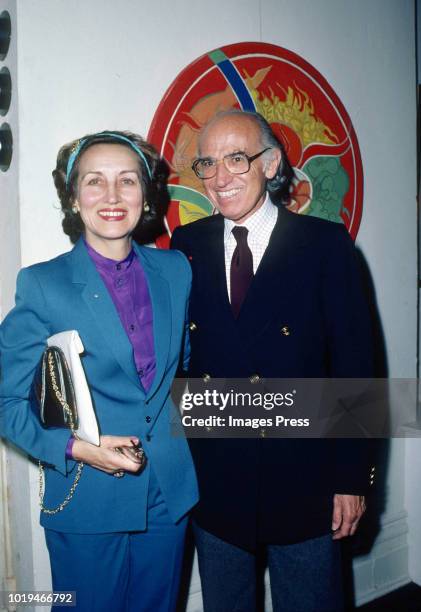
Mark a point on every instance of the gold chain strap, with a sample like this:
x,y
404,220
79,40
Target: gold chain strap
x,y
66,408
68,497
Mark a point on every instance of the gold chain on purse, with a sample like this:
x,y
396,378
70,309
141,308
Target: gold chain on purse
x,y
66,408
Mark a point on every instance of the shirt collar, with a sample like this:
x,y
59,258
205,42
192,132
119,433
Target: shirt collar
x,y
110,266
265,215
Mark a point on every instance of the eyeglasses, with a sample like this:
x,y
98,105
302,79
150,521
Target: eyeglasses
x,y
235,163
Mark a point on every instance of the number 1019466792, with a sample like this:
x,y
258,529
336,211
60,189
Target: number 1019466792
x,y
39,598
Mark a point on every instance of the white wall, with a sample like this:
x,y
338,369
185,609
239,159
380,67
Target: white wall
x,y
413,447
15,556
86,66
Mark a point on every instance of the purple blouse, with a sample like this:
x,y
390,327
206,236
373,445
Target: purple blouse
x,y
128,288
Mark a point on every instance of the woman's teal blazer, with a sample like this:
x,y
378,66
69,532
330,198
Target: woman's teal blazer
x,y
68,293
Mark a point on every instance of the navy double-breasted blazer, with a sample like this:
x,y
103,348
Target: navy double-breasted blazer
x,y
68,293
304,316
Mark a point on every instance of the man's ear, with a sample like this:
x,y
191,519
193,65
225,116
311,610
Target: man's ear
x,y
273,163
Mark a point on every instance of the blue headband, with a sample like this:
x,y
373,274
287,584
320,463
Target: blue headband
x,y
76,151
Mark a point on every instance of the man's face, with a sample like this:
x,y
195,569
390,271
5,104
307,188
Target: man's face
x,y
237,196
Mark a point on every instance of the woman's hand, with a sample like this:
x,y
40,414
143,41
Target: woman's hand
x,y
105,457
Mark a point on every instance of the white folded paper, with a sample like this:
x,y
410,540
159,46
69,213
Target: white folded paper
x,y
71,345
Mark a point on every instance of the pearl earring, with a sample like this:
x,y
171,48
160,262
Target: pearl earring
x,y
146,207
75,209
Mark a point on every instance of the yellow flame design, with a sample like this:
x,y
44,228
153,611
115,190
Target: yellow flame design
x,y
296,111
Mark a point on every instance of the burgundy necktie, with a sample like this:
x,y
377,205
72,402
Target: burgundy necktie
x,y
241,269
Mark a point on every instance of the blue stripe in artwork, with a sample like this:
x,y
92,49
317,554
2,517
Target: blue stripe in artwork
x,y
237,84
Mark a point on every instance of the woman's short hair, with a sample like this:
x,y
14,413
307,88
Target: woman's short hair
x,y
153,182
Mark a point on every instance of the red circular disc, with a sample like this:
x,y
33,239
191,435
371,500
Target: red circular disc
x,y
303,110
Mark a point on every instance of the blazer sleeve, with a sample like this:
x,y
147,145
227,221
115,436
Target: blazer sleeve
x,y
23,337
176,244
350,342
185,357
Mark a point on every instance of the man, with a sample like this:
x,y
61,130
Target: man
x,y
274,295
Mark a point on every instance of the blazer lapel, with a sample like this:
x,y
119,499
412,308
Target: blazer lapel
x,y
274,278
161,309
104,313
215,254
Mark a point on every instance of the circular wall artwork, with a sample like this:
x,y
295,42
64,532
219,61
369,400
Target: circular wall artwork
x,y
302,109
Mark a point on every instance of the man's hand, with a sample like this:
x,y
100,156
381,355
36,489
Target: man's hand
x,y
347,511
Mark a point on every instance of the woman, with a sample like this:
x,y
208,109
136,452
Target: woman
x,y
119,541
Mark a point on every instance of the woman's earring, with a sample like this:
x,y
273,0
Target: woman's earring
x,y
75,209
146,207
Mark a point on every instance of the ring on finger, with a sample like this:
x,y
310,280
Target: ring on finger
x,y
119,474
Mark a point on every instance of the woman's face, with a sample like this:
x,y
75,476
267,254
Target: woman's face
x,y
109,194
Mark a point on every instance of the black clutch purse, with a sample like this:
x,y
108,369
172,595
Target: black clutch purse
x,y
54,395
54,391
